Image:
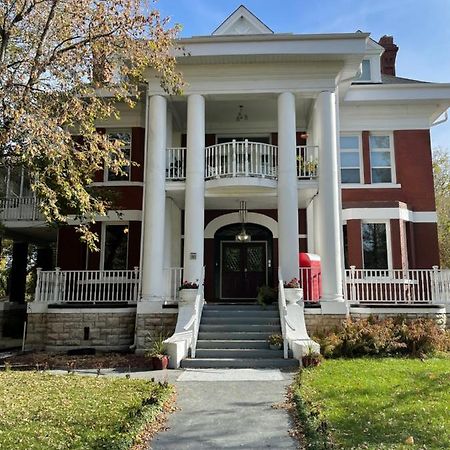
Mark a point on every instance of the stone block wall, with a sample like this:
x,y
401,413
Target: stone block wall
x,y
439,317
36,331
149,324
320,324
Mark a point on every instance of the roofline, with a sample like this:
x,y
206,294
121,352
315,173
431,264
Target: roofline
x,y
242,6
271,37
420,85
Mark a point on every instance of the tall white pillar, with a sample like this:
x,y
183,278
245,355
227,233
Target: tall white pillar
x,y
287,188
195,188
329,227
154,207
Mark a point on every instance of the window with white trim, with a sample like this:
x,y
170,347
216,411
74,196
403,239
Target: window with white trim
x,y
115,247
381,158
375,245
125,137
350,159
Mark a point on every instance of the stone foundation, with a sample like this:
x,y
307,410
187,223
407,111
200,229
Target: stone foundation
x,y
147,325
63,329
12,317
319,324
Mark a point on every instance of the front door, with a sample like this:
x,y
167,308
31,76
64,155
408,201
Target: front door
x,y
243,269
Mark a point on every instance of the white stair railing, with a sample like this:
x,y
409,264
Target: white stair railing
x,y
194,322
282,308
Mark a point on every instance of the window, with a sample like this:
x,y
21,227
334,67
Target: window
x,y
115,250
365,71
375,245
350,159
381,160
125,138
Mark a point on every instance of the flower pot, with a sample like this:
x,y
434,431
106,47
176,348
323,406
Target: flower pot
x,y
275,346
187,296
293,295
160,363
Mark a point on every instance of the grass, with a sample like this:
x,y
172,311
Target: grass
x,y
44,411
375,404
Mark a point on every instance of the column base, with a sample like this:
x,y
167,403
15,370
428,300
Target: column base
x,y
334,307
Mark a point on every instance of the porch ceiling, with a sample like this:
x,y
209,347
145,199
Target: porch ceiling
x,y
261,111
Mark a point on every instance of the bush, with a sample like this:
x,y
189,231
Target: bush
x,y
385,337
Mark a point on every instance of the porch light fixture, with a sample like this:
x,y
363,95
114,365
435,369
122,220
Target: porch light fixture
x,y
243,236
241,115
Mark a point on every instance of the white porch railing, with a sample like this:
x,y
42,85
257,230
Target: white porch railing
x,y
176,164
174,279
87,286
19,208
397,286
307,162
241,158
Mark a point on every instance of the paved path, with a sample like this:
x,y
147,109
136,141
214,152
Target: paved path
x,y
228,409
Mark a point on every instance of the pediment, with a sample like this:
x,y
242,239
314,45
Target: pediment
x,y
242,22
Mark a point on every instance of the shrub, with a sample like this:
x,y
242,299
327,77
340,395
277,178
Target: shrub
x,y
266,295
385,337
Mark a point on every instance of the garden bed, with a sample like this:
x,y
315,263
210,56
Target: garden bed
x,y
378,403
44,411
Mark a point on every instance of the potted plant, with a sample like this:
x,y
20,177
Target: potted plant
x,y
188,291
292,291
275,341
158,352
266,295
311,359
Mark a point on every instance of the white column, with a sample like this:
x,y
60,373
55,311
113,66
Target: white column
x,y
287,188
195,188
155,196
329,227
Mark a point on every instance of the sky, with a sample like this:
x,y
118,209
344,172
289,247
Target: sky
x,y
421,28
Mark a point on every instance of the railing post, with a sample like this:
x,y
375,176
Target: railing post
x,y
435,284
246,156
56,285
136,283
352,284
233,148
37,291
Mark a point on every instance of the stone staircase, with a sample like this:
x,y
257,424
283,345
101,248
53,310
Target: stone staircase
x,y
235,336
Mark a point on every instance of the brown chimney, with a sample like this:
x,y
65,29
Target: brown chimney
x,y
389,55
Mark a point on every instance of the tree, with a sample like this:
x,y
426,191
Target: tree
x,y
56,56
441,169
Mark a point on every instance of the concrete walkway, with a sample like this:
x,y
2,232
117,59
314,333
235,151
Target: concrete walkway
x,y
228,409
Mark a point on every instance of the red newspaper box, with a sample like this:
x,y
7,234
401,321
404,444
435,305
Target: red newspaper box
x,y
310,276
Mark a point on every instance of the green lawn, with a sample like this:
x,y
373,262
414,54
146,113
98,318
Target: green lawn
x,y
377,403
46,412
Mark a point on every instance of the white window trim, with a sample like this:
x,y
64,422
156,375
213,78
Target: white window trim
x,y
361,161
106,171
388,242
103,241
391,150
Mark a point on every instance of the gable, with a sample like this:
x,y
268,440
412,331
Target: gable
x,y
240,22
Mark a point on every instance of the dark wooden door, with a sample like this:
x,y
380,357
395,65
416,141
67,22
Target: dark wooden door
x,y
243,269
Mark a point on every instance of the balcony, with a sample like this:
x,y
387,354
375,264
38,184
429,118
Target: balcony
x,y
19,209
242,159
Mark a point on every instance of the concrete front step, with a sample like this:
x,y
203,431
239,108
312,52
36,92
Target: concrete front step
x,y
231,314
236,335
228,343
247,353
210,320
235,363
240,327
238,307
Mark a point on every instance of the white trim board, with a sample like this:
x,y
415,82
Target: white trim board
x,y
389,214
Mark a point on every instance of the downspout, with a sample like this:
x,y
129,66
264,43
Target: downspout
x,y
133,346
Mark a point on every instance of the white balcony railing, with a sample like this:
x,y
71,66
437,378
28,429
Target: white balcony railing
x,y
19,208
397,286
87,286
176,164
241,158
307,162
